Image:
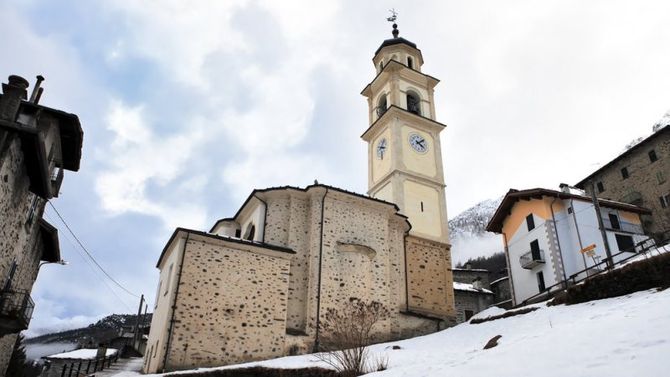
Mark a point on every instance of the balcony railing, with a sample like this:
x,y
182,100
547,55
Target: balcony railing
x,y
622,226
16,309
531,259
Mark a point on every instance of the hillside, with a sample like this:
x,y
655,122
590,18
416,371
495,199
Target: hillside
x,y
556,341
101,331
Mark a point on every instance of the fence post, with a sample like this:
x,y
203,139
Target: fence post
x,y
88,365
79,368
95,366
62,373
71,369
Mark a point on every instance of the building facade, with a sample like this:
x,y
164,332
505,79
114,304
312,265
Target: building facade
x,y
472,292
546,233
36,144
639,176
258,284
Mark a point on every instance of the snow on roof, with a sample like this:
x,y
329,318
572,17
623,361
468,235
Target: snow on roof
x,y
469,287
81,354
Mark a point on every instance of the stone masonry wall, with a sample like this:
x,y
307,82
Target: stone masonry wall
x,y
231,307
18,237
643,178
430,278
475,302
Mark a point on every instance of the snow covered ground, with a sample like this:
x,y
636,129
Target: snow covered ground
x,y
623,336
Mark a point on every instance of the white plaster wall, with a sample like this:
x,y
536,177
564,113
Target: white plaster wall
x,y
254,213
525,281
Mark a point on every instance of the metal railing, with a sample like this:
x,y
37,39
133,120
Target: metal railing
x,y
84,367
531,259
623,226
641,248
16,308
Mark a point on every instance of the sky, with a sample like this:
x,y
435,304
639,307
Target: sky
x,y
188,106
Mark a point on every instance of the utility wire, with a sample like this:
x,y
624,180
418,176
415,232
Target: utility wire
x,y
95,272
89,254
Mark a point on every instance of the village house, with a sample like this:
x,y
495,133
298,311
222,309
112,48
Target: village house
x,y
36,144
551,236
472,291
640,176
258,283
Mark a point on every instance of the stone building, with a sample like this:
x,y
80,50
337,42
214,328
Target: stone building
x,y
258,284
36,144
639,176
472,291
502,293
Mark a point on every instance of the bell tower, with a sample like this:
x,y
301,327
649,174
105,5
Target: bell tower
x,y
404,152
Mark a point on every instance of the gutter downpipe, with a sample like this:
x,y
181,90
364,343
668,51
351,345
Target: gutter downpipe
x,y
174,304
318,292
558,241
265,216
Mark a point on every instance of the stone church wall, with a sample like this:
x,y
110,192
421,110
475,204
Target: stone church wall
x,y
429,277
231,307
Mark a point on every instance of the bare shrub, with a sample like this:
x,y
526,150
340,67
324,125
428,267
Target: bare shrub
x,y
346,334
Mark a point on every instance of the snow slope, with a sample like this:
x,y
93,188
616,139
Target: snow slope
x,y
623,336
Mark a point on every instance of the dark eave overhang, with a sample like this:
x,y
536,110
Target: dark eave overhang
x,y
496,223
221,238
396,41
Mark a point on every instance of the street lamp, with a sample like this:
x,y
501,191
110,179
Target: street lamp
x,y
61,262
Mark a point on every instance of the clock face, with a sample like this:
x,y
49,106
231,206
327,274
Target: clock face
x,y
381,148
418,143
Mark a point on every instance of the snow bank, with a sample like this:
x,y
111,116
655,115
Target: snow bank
x,y
621,336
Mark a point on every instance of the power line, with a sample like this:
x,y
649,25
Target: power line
x,y
89,254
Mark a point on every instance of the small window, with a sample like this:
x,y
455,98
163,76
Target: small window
x,y
468,314
382,105
32,210
381,65
664,201
169,277
600,186
660,177
540,282
614,221
421,206
410,62
569,209
624,173
625,243
652,155
530,222
251,232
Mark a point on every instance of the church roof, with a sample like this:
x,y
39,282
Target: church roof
x,y
333,188
395,41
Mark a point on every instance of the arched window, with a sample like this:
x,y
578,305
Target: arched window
x,y
413,103
381,65
410,62
381,105
250,233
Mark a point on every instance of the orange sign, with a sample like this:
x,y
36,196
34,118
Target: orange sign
x,y
588,248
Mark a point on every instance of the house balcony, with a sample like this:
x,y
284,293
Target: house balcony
x,y
16,309
532,259
622,226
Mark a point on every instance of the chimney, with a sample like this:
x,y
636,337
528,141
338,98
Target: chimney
x,y
477,284
37,90
12,94
564,188
468,266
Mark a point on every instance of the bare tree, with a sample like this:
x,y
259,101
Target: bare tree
x,y
347,333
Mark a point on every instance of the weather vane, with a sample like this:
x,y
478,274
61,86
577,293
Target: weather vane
x,y
394,15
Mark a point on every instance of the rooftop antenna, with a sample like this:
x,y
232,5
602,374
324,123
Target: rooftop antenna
x,y
393,18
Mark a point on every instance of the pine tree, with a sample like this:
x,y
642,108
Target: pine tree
x,y
17,363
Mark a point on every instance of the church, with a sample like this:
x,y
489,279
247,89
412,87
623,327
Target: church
x,y
257,285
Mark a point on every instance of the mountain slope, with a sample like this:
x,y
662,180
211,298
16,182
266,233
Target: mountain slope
x,y
468,235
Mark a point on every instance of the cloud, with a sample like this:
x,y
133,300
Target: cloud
x,y
137,158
